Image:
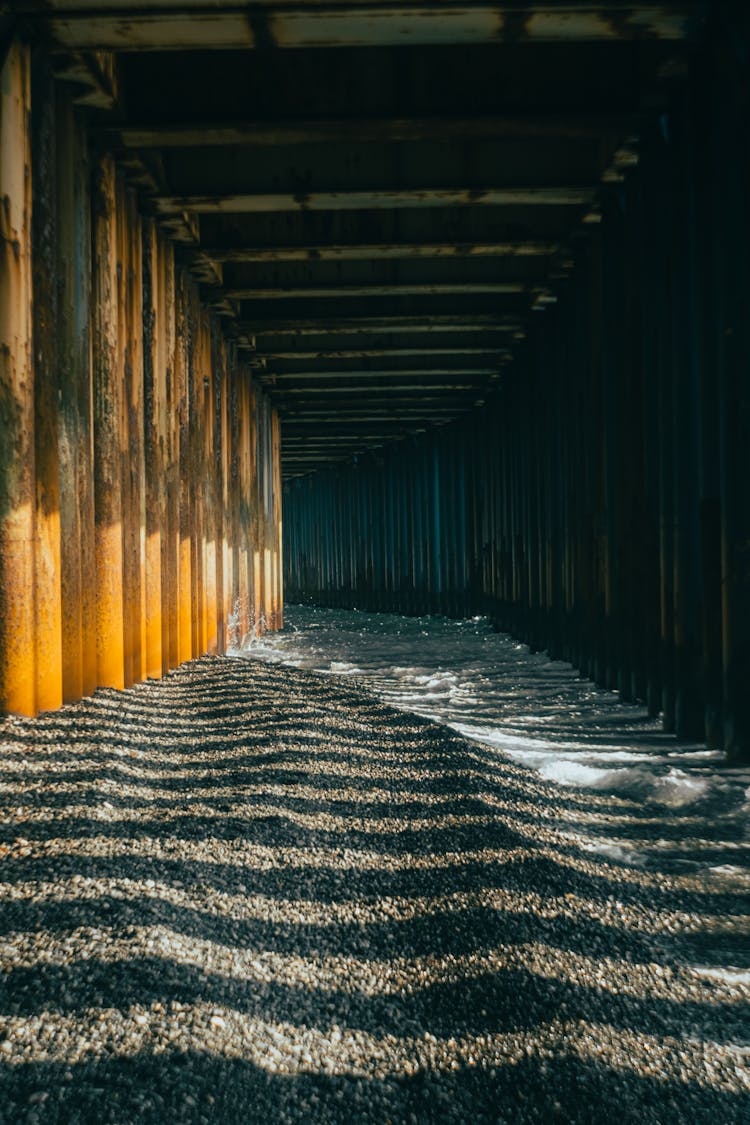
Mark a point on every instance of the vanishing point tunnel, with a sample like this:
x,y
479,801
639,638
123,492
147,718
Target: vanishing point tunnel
x,y
471,279
458,294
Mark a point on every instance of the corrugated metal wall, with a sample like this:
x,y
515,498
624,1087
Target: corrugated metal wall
x,y
598,506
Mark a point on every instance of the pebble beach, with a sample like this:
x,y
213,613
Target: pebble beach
x,y
254,893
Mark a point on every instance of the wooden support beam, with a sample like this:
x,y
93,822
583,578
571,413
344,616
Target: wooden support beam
x,y
335,398
312,444
387,130
383,251
290,378
402,418
379,353
96,73
230,25
502,288
369,325
266,202
331,426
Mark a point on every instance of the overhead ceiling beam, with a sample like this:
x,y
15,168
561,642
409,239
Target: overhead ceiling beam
x,y
370,412
377,353
414,290
328,425
304,448
268,202
384,130
369,325
236,24
307,446
383,251
399,391
407,373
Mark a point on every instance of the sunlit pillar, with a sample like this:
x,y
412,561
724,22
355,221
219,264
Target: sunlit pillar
x,y
108,451
17,487
47,630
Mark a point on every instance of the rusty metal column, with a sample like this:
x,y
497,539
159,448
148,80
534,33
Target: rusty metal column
x,y
171,530
244,509
278,524
732,277
708,179
233,488
665,408
229,485
216,474
685,351
17,487
155,497
209,538
47,631
184,576
108,450
651,427
130,334
73,271
257,546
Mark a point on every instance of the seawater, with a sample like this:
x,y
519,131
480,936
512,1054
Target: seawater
x,y
542,714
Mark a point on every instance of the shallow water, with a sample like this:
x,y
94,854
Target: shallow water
x,y
693,812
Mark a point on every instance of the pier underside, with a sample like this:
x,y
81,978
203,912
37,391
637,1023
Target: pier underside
x,y
463,286
470,279
253,894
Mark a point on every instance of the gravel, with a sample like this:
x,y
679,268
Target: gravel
x,y
248,893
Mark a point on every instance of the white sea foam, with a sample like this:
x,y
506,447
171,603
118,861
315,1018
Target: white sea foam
x,y
729,974
537,712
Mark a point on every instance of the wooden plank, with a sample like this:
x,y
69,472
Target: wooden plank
x,y
267,202
387,130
